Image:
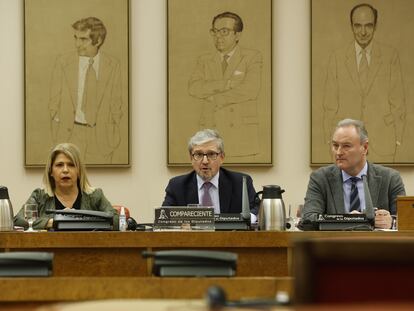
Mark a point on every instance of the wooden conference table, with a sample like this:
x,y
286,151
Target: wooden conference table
x,y
108,265
95,288
103,265
118,254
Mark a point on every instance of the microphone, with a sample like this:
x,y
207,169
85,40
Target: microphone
x,y
245,201
369,208
217,299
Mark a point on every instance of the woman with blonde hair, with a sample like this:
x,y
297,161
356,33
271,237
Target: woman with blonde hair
x,y
66,186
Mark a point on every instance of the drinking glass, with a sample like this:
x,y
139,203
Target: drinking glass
x,y
294,216
30,215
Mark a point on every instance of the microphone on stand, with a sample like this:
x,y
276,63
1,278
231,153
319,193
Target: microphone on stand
x,y
245,202
369,208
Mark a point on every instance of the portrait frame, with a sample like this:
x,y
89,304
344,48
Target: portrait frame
x,y
239,107
382,100
60,56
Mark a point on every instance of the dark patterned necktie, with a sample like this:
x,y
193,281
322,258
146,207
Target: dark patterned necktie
x,y
354,201
206,198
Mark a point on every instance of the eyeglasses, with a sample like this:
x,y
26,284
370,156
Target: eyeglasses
x,y
198,156
224,32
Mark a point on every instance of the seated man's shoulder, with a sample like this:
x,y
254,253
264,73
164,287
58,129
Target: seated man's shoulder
x,y
233,174
182,178
384,170
325,170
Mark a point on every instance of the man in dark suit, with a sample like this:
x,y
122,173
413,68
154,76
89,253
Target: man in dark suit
x,y
339,189
224,187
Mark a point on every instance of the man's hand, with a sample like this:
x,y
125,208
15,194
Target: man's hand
x,y
383,219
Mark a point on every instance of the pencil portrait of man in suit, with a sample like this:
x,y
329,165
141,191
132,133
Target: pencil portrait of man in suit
x,y
85,102
364,81
227,82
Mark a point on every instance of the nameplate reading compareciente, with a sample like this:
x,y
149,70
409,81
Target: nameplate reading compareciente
x,y
174,217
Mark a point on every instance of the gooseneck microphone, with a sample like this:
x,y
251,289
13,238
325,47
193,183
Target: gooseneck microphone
x,y
245,202
216,299
369,207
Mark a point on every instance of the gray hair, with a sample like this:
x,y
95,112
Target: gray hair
x,y
359,126
205,136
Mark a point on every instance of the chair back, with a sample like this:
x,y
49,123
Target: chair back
x,y
354,270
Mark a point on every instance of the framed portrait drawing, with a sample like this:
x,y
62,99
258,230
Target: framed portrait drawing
x,y
220,77
362,68
76,65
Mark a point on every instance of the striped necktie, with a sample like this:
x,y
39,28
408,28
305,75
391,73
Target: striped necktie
x,y
354,200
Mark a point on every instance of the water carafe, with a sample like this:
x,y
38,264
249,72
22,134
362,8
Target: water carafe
x,y
6,211
272,215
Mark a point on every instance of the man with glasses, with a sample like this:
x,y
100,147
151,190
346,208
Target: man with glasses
x,y
209,184
227,81
339,188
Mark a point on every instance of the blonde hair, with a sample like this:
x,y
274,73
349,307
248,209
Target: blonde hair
x,y
72,152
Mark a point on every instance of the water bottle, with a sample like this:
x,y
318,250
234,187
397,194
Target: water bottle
x,y
122,220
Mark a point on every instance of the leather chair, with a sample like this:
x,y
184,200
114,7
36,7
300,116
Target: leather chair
x,y
338,270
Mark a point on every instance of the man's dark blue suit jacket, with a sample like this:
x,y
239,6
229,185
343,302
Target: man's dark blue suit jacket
x,y
182,190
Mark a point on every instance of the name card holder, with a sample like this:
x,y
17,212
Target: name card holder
x,y
183,218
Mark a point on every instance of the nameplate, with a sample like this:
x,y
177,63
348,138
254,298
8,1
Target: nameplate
x,y
183,218
231,222
229,217
342,218
343,222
